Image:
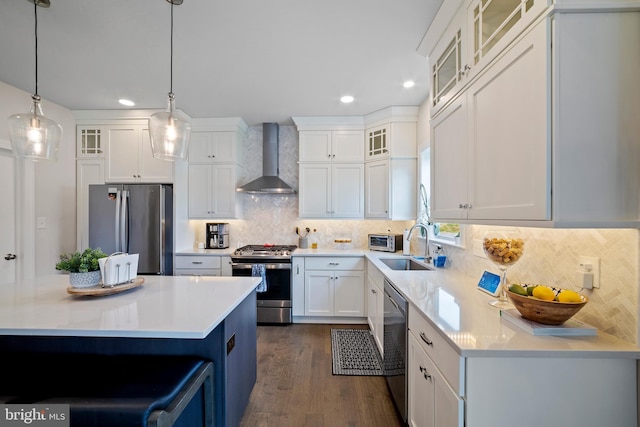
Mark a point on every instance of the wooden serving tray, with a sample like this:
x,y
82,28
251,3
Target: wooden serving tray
x,y
98,290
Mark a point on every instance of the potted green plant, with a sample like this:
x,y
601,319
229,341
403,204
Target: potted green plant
x,y
83,267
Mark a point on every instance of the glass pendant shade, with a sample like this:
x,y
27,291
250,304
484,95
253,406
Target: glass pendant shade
x,y
34,136
169,131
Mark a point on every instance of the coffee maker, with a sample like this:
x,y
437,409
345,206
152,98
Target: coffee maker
x,y
217,235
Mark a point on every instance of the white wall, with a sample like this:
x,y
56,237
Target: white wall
x,y
55,193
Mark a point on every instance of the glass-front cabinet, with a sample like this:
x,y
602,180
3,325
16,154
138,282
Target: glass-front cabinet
x,y
493,19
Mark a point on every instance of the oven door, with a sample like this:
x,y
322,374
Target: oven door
x,y
278,277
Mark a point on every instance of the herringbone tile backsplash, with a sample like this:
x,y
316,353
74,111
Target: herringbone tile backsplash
x,y
551,257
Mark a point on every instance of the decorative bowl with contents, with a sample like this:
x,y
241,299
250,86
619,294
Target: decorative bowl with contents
x,y
545,304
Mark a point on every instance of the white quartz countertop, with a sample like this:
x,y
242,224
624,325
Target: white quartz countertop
x,y
163,307
198,251
463,316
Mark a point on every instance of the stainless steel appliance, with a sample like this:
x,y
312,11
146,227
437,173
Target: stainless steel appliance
x,y
217,235
385,242
134,218
274,304
395,346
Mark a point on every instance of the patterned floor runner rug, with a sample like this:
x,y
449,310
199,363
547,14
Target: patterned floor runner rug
x,y
354,352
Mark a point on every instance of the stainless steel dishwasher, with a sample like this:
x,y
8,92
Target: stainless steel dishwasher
x,y
395,346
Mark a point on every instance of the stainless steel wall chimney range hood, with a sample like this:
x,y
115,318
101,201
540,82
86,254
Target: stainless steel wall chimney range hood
x,y
269,182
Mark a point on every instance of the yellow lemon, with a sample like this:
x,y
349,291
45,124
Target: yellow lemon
x,y
569,296
544,293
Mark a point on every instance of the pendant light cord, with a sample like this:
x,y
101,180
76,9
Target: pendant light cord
x,y
171,56
35,12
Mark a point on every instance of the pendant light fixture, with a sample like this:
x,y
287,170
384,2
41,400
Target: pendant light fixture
x,y
170,130
34,136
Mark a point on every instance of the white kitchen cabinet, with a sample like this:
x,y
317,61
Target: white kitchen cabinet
x,y
334,287
375,305
129,157
90,141
331,146
215,147
477,32
391,189
331,190
479,170
431,401
198,265
523,143
212,190
297,286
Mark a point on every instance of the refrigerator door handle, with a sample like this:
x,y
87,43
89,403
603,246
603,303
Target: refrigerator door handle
x,y
117,227
124,246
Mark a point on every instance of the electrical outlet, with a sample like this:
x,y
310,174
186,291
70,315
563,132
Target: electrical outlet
x,y
595,268
477,248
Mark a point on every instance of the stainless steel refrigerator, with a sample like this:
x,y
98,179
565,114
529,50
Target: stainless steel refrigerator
x,y
135,219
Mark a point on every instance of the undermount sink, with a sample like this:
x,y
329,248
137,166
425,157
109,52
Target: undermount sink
x,y
404,264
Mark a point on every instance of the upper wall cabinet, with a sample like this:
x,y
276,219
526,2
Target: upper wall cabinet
x,y
215,147
122,139
479,30
332,146
544,135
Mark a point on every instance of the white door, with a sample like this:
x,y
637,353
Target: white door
x,y
7,218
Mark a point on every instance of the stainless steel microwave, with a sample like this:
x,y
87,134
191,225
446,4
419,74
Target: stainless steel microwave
x,y
385,242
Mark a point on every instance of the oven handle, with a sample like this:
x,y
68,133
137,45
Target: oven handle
x,y
268,266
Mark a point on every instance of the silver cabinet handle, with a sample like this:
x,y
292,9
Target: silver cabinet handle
x,y
424,338
334,263
373,291
196,262
425,373
10,257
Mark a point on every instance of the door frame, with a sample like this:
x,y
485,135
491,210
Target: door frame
x,y
24,186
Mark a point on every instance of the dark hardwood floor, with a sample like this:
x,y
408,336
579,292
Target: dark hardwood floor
x,y
296,387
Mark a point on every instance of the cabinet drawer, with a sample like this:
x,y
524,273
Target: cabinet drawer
x,y
375,274
338,263
443,355
196,272
197,261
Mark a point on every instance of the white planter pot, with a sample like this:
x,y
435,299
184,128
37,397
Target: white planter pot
x,y
84,280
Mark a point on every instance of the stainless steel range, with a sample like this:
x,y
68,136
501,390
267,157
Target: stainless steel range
x,y
274,304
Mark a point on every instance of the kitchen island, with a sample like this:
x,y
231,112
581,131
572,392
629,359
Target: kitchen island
x,y
209,317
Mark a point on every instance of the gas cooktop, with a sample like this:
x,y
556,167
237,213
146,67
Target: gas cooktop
x,y
265,251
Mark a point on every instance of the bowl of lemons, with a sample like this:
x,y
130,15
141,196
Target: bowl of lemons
x,y
545,304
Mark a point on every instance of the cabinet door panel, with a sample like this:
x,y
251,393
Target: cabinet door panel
x,y
349,293
347,199
224,194
315,190
318,291
150,168
315,146
123,151
510,146
377,175
200,147
449,161
421,399
200,191
347,146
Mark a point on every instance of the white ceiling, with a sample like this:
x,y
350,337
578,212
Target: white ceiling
x,y
264,61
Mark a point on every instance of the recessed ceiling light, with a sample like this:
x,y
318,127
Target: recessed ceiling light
x,y
126,102
409,83
346,99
